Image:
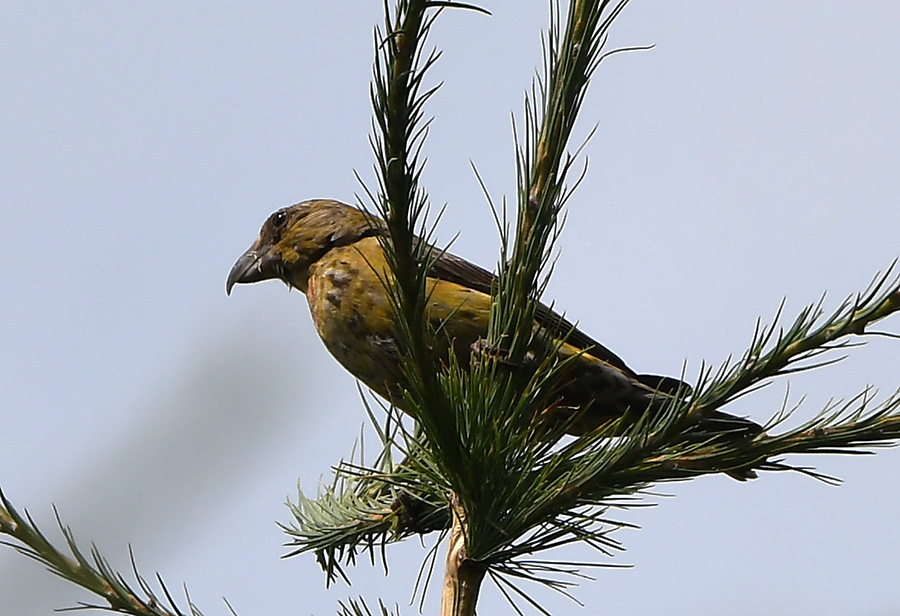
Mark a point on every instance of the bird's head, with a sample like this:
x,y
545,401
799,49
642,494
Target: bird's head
x,y
295,237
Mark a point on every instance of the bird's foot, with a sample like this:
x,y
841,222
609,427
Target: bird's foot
x,y
483,350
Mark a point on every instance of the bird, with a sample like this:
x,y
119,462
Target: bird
x,y
332,252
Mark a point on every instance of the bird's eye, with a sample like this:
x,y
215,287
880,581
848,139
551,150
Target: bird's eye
x,y
279,218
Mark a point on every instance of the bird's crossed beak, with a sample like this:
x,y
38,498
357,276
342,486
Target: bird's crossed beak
x,y
252,266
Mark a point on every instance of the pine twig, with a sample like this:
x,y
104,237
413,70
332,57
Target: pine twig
x,y
570,488
91,573
462,575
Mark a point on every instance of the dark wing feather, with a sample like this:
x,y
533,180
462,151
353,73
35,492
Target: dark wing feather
x,y
455,269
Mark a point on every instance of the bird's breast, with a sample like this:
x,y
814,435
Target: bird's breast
x,y
352,314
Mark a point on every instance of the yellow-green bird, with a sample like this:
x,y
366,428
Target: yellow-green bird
x,y
331,252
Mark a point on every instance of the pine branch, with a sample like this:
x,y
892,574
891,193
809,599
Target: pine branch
x,y
92,573
509,443
543,164
512,487
366,508
565,492
483,462
462,575
398,100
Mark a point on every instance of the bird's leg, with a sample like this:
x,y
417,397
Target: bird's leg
x,y
482,349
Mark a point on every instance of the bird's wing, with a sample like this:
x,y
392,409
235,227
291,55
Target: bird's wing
x,y
455,269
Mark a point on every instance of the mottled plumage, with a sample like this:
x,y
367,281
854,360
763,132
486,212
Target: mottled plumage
x,y
331,252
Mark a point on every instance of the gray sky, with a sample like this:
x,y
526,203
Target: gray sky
x,y
751,155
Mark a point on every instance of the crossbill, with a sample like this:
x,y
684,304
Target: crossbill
x,y
331,252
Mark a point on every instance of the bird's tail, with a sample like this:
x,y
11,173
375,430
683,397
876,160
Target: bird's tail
x,y
665,384
715,426
719,426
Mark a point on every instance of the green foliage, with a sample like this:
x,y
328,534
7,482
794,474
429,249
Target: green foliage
x,y
359,608
481,461
90,572
562,491
481,448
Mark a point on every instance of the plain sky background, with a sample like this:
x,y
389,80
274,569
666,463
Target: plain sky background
x,y
751,155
